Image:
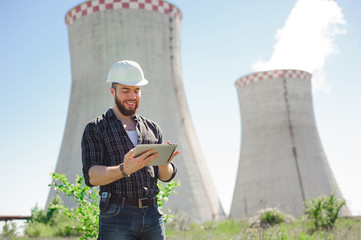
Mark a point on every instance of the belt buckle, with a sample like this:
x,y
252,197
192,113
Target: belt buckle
x,y
140,205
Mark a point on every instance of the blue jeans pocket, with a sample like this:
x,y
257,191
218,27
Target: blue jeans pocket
x,y
113,210
159,211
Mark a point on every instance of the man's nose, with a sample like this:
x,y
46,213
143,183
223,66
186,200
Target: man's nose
x,y
132,95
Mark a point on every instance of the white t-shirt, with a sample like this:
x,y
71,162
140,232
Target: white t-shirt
x,y
133,137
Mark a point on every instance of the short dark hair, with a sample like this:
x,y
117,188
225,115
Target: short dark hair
x,y
114,85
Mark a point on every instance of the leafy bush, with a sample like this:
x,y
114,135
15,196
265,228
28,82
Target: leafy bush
x,y
49,223
323,211
165,190
49,217
271,218
86,213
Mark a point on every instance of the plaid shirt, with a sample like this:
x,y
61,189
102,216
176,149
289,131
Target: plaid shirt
x,y
105,142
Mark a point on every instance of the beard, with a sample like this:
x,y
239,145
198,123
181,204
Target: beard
x,y
122,108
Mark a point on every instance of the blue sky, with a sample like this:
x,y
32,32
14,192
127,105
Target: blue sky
x,y
220,42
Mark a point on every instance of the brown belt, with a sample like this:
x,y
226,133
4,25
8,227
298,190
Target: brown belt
x,y
140,203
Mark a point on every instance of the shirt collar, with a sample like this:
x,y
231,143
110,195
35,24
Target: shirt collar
x,y
110,114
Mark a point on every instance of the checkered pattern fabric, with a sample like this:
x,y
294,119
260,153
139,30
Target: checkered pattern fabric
x,y
260,76
105,143
93,6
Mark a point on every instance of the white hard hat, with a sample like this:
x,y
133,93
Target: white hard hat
x,y
126,72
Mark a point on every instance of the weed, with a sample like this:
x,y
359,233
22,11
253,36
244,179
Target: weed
x,y
9,230
323,211
271,218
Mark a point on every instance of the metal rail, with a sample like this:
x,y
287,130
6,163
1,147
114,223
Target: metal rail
x,y
9,218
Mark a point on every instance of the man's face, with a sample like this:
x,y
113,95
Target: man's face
x,y
127,99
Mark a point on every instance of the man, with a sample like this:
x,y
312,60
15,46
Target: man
x,y
128,187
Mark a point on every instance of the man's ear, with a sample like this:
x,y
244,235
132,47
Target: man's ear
x,y
112,91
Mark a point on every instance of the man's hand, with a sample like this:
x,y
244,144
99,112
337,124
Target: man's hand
x,y
103,175
133,164
174,154
166,171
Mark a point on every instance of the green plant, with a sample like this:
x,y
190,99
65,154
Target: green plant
x,y
345,228
40,229
323,211
165,190
9,230
86,213
49,223
279,234
271,218
40,216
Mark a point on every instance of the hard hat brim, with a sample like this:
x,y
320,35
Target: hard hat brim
x,y
130,83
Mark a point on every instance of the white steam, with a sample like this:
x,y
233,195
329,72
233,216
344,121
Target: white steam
x,y
307,39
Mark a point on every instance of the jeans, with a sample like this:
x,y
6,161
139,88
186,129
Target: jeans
x,y
131,223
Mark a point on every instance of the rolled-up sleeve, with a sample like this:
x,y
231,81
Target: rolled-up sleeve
x,y
173,175
92,150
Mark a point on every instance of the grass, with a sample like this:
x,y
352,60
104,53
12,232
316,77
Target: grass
x,y
344,229
300,228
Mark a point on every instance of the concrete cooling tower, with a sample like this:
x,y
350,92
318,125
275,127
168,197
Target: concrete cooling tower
x,y
282,163
102,32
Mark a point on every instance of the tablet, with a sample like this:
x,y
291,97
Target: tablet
x,y
165,152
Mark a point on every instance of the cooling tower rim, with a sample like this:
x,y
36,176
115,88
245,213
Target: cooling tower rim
x,y
272,74
92,6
